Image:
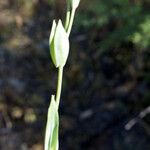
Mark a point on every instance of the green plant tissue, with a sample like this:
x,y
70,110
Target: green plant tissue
x,y
52,127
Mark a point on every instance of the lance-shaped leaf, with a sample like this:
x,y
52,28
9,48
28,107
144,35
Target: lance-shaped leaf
x,y
51,42
52,127
52,32
59,44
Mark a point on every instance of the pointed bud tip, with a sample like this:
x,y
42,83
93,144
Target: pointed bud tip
x,y
74,3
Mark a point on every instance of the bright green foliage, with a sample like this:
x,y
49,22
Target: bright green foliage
x,y
59,44
51,135
126,21
142,37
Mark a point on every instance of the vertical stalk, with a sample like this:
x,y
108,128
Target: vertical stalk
x,y
71,21
52,127
59,85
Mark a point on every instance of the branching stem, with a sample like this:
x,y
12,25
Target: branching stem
x,y
68,27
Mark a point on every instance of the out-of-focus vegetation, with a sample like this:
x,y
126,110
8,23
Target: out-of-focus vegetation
x,y
106,81
126,21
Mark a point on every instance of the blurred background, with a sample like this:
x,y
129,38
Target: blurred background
x,y
105,101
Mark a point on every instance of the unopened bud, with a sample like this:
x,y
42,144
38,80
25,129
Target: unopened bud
x,y
74,3
59,44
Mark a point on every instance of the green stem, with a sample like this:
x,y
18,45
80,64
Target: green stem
x,y
59,85
67,16
68,27
71,21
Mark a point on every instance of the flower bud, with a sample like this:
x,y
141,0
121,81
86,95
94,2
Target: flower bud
x,y
59,44
74,3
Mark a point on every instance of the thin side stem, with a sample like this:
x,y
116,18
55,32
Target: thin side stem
x,y
71,21
59,85
67,20
67,16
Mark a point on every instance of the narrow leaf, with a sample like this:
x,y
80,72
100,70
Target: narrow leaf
x,y
52,32
52,127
